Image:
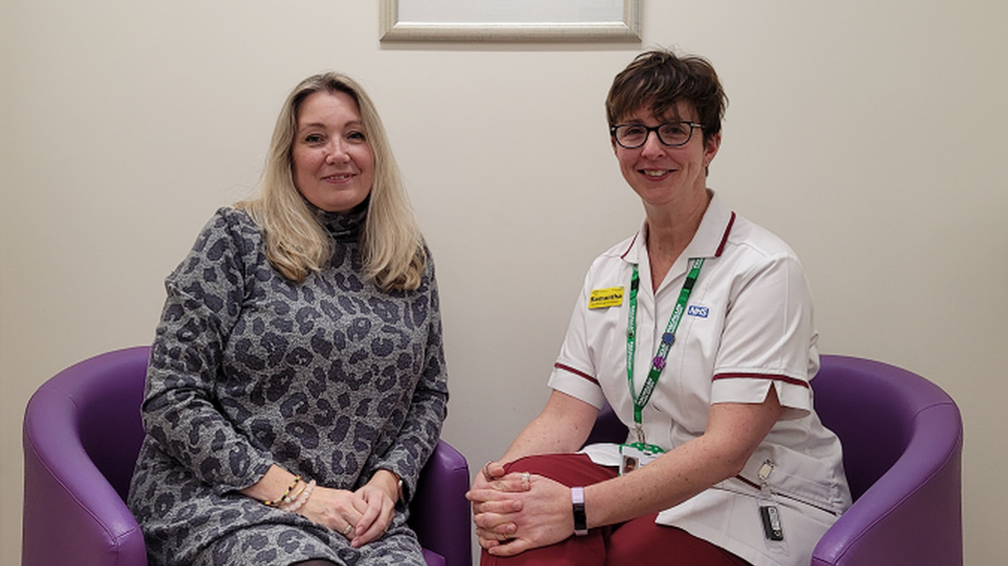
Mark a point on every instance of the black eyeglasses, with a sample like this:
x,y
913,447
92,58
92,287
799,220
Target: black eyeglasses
x,y
673,134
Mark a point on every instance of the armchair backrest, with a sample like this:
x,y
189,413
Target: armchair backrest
x,y
110,409
902,439
82,434
873,407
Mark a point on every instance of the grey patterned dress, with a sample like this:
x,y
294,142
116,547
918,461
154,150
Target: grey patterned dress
x,y
331,379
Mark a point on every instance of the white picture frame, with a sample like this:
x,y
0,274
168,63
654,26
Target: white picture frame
x,y
510,20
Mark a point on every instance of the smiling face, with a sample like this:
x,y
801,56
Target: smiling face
x,y
666,176
333,164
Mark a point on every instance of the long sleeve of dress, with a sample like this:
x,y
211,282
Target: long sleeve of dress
x,y
428,407
205,296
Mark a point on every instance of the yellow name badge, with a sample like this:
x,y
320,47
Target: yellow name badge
x,y
605,298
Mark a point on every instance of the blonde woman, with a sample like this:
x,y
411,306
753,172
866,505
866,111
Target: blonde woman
x,y
297,381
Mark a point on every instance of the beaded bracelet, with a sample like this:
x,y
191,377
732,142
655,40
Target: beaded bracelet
x,y
302,498
294,494
285,498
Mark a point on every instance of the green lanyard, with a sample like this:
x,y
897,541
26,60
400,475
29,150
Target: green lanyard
x,y
668,338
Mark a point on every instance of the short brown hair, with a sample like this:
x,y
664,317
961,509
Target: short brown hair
x,y
659,79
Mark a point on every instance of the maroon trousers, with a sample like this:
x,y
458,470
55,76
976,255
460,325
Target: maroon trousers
x,y
634,543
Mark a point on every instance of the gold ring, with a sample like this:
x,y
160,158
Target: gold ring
x,y
347,530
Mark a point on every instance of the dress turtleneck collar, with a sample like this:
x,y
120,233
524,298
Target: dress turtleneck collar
x,y
342,227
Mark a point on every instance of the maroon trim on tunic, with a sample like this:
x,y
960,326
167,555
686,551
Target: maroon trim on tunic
x,y
783,378
576,372
724,239
630,247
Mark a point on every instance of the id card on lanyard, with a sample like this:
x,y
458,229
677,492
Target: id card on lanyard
x,y
636,454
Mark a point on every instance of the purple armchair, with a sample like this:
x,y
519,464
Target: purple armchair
x,y
82,434
902,438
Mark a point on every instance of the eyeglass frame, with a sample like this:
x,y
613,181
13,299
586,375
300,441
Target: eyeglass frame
x,y
649,129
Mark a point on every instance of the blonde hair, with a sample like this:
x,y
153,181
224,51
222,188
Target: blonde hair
x,y
391,244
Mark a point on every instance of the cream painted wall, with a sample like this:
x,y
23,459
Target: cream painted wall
x,y
870,135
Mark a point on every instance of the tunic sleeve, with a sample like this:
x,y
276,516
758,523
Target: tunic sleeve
x,y
429,403
769,338
180,409
574,372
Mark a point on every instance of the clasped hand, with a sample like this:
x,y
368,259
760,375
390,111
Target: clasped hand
x,y
519,511
362,516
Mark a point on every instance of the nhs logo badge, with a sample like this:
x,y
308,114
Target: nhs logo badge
x,y
698,311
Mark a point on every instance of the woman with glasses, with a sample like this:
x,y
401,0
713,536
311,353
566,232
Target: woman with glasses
x,y
698,331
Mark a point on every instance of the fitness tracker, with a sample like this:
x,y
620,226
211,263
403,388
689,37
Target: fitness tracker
x,y
580,521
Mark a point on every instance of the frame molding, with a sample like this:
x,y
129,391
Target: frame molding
x,y
394,30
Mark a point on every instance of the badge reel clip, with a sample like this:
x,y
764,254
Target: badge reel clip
x,y
773,530
637,454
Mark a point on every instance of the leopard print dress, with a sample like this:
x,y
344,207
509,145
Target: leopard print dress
x,y
330,378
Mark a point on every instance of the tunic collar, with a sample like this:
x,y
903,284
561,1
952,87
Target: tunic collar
x,y
708,242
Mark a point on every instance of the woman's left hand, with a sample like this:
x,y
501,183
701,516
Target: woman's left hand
x,y
380,494
544,517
